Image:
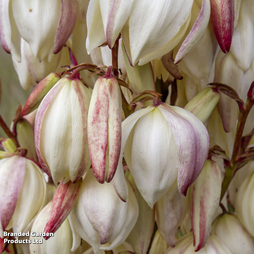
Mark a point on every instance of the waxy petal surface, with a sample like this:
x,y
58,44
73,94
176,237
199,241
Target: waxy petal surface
x,y
170,212
192,141
60,131
12,172
69,14
148,159
114,15
152,25
60,243
205,198
9,34
196,32
64,199
30,202
222,16
95,32
104,128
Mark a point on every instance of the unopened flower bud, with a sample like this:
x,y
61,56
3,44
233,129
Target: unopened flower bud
x,y
205,198
64,199
39,92
26,138
61,131
203,104
222,16
9,145
61,242
104,128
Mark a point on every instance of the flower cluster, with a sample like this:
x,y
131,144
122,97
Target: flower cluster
x,y
136,129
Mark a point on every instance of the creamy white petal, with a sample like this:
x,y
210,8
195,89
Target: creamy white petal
x,y
152,25
37,23
205,198
95,32
31,199
149,152
114,15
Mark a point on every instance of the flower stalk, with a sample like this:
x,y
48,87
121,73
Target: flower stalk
x,y
231,169
8,131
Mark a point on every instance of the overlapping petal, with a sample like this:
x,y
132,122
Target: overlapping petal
x,y
152,25
104,128
61,131
205,198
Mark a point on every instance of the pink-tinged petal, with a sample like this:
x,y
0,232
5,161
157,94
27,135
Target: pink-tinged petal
x,y
143,155
157,23
2,245
105,211
64,200
83,105
69,14
201,145
114,127
5,28
39,92
9,35
205,198
170,212
37,23
98,129
196,32
30,202
222,16
12,172
186,141
38,124
129,220
114,15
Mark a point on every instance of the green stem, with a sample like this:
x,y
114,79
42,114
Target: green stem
x,y
230,170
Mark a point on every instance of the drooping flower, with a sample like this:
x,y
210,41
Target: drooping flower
x,y
101,217
165,147
149,29
22,193
45,25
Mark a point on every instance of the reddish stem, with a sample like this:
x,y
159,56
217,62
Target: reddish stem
x,y
8,131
